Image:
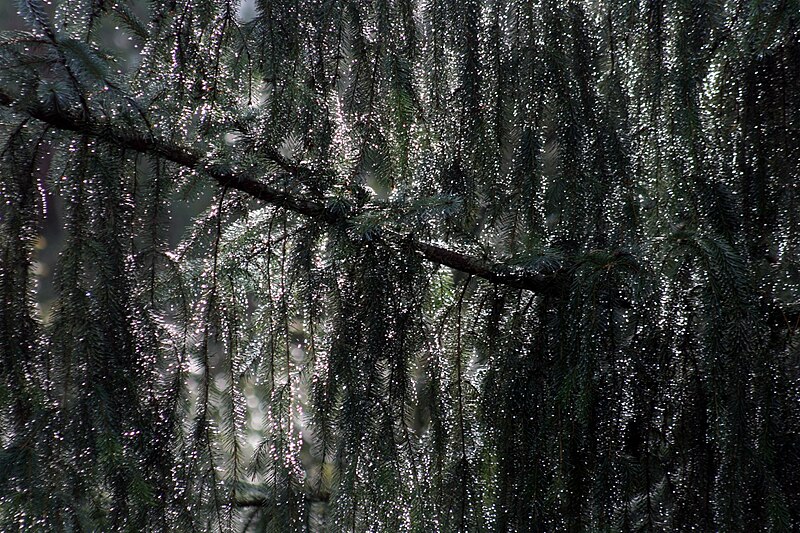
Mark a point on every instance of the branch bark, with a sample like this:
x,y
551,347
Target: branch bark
x,y
187,157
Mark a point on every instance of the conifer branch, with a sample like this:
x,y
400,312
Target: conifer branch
x,y
541,282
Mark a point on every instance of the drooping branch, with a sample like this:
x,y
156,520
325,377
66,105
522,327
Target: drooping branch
x,y
542,282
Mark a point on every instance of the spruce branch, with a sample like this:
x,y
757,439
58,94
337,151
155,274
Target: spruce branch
x,y
246,182
551,281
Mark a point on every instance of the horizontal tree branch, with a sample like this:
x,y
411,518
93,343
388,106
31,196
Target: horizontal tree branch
x,y
548,282
190,158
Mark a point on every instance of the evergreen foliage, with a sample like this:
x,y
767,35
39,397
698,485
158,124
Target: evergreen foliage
x,y
475,265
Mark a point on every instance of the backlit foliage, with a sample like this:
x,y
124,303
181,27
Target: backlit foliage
x,y
473,265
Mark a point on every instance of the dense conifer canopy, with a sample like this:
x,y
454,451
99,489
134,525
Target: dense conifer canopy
x,y
457,265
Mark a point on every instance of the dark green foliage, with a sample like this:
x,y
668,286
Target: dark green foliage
x,y
477,265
